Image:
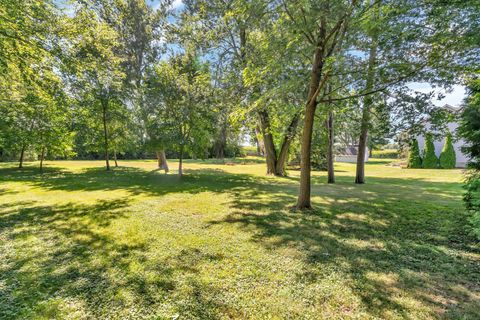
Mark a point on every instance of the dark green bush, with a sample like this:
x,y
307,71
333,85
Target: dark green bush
x,y
472,200
430,160
414,159
469,129
448,159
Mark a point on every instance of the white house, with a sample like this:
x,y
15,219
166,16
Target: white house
x,y
462,159
348,154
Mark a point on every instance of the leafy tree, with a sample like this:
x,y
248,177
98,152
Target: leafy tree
x,y
430,160
447,157
97,76
181,115
414,158
469,130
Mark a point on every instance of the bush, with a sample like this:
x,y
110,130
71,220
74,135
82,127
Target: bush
x,y
469,128
385,154
414,159
430,160
472,200
448,159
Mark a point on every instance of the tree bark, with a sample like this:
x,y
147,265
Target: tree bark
x,y
331,141
270,152
22,154
105,132
366,115
42,156
304,202
260,144
115,157
180,162
221,142
287,141
162,161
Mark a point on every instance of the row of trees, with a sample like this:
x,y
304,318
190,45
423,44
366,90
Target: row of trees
x,y
294,75
447,159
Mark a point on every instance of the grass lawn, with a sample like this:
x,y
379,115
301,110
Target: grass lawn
x,y
77,242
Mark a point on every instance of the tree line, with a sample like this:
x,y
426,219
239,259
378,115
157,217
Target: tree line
x,y
296,76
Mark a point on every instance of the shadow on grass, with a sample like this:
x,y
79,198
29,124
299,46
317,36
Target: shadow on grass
x,y
396,238
401,241
97,273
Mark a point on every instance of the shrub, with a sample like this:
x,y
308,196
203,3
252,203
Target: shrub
x,y
472,200
430,160
385,154
414,159
448,159
469,128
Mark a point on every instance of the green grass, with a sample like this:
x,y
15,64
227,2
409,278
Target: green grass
x,y
77,242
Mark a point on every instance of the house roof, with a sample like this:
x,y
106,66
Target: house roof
x,y
452,108
348,151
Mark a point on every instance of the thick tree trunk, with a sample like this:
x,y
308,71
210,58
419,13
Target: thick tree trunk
x,y
22,154
180,162
221,142
105,132
270,152
162,161
42,156
304,202
287,141
115,157
367,105
331,141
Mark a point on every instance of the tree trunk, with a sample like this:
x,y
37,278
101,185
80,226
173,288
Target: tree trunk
x,y
287,141
270,152
105,132
115,157
42,156
162,161
367,104
260,144
331,141
22,154
221,142
180,162
304,202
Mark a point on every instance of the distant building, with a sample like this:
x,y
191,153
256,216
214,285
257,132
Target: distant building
x,y
348,154
461,158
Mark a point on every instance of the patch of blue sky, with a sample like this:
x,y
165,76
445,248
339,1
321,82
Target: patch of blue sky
x,y
453,96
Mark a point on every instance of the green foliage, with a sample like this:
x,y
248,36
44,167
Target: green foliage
x,y
472,200
470,131
385,154
469,128
414,158
447,157
179,102
430,160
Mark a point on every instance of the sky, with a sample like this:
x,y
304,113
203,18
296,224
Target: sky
x,y
177,4
454,97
